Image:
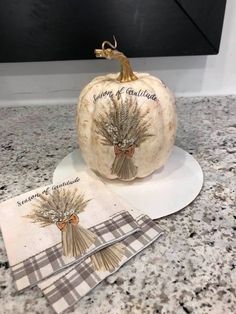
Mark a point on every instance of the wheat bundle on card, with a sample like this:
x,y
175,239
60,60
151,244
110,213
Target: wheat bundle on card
x,y
61,207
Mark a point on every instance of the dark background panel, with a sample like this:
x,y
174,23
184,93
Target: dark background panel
x,y
44,30
208,16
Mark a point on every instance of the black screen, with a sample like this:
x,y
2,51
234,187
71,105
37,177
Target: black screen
x,y
43,30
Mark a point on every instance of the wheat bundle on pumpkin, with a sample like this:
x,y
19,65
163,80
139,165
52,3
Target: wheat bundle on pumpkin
x,y
61,207
123,126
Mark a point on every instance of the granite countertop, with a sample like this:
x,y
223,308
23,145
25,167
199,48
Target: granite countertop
x,y
192,269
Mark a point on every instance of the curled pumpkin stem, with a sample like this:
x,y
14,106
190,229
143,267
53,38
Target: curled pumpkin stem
x,y
126,72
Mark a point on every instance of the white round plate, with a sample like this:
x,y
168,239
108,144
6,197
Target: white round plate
x,y
164,192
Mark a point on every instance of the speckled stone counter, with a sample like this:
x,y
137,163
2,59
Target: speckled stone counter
x,y
192,269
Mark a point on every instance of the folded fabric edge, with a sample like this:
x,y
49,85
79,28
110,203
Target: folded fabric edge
x,y
59,243
21,285
78,262
122,264
125,261
141,217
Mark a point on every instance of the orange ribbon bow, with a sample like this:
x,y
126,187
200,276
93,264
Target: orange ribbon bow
x,y
128,152
73,219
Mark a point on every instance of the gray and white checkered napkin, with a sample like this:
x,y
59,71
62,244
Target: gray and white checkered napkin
x,y
35,253
50,261
66,289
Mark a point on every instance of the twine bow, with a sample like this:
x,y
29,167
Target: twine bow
x,y
127,152
73,219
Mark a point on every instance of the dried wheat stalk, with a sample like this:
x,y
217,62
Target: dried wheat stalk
x,y
124,127
61,207
108,259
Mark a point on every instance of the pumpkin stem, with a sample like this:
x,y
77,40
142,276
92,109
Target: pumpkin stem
x,y
126,72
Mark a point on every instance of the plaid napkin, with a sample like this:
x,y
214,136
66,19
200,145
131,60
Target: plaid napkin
x,y
64,290
29,272
35,253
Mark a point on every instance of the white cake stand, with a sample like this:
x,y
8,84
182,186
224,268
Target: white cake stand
x,y
164,192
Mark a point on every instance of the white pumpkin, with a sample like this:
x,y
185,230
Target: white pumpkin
x,y
126,123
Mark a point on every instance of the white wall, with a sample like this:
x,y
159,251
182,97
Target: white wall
x,y
61,82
